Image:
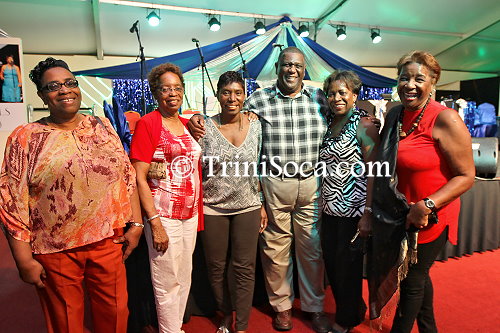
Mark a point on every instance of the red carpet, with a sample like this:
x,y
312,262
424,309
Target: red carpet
x,y
467,299
466,291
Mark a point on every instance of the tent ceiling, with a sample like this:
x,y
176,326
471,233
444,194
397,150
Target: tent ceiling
x,y
260,56
464,34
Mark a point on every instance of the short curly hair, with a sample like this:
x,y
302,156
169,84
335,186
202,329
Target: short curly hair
x,y
36,73
423,58
156,72
350,78
228,78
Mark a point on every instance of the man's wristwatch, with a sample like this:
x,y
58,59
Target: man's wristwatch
x,y
429,203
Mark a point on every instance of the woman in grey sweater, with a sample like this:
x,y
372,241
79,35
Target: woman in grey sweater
x,y
234,214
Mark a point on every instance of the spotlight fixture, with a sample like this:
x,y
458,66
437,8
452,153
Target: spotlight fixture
x,y
375,35
260,28
153,18
341,34
214,24
303,30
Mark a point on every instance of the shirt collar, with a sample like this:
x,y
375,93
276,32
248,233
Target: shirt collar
x,y
304,90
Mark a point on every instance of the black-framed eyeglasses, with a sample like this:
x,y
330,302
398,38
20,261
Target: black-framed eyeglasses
x,y
56,86
168,90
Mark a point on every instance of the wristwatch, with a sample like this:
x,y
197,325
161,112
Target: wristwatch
x,y
429,203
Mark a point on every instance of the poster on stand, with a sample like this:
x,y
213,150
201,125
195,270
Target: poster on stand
x,y
12,103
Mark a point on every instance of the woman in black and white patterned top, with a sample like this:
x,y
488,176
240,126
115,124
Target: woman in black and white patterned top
x,y
349,143
234,214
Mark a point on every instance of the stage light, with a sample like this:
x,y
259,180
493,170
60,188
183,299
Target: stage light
x,y
341,33
376,38
260,28
214,24
303,31
153,18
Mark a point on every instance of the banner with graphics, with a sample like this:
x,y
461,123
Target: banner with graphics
x,y
12,80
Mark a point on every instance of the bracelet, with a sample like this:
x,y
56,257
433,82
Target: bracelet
x,y
368,209
152,217
261,196
136,224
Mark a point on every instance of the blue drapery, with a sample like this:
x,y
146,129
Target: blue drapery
x,y
261,56
469,113
187,60
368,78
116,116
190,60
128,93
367,93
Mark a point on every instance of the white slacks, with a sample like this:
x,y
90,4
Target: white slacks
x,y
171,271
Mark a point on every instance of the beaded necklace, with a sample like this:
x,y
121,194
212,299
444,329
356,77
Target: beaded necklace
x,y
403,134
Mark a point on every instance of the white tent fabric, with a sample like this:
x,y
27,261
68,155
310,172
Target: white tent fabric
x,y
317,68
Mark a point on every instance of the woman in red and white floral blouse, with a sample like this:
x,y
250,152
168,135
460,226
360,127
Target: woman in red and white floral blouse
x,y
166,158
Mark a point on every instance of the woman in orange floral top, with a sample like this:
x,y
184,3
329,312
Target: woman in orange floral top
x,y
67,189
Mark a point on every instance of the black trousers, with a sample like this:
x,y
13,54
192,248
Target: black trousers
x,y
416,298
344,267
230,243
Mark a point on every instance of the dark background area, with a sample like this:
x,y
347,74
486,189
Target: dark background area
x,y
481,90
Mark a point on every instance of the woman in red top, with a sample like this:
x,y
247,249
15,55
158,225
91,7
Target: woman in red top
x,y
434,167
166,158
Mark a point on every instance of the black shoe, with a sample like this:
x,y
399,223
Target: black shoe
x,y
320,322
344,330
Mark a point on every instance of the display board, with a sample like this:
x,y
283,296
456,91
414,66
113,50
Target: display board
x,y
12,101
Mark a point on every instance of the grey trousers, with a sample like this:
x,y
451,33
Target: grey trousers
x,y
230,243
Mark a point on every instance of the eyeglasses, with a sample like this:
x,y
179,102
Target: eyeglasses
x,y
168,90
56,86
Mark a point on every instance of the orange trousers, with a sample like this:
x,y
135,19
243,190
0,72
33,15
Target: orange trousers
x,y
100,266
